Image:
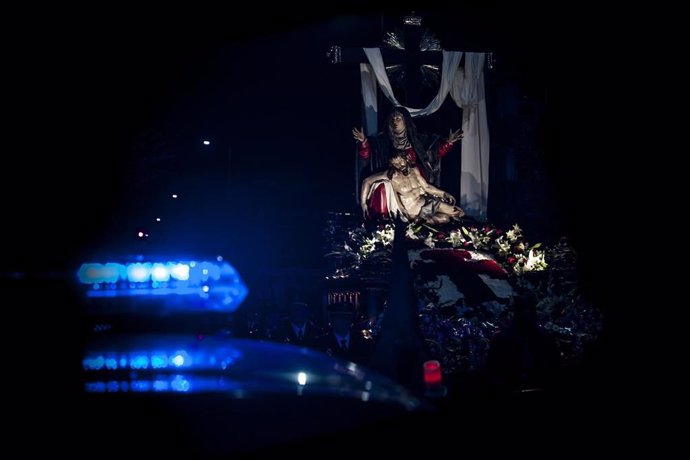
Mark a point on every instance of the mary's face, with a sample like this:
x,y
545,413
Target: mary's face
x,y
397,122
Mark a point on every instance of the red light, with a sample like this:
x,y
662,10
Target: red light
x,y
432,374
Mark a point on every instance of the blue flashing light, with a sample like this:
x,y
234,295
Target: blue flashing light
x,y
161,385
180,383
141,385
95,387
159,361
160,273
93,363
111,363
139,362
113,386
198,367
227,362
174,383
195,274
179,271
181,358
216,281
139,273
100,273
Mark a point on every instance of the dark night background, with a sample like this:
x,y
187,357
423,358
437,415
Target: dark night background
x,y
108,119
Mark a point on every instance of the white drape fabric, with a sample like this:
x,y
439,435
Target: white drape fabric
x,y
451,60
369,98
468,94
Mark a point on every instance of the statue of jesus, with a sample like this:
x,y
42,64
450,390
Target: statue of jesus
x,y
408,195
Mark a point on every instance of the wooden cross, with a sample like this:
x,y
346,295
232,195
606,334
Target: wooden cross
x,y
412,57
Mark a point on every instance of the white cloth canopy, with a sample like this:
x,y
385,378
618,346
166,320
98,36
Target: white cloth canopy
x,y
451,60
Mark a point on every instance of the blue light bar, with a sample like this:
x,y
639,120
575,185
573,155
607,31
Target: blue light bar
x,y
217,280
176,359
239,368
165,384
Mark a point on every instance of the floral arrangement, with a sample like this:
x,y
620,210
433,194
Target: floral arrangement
x,y
509,248
459,334
563,311
358,248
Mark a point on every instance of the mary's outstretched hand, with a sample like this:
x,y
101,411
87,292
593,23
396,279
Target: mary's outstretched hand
x,y
454,136
358,134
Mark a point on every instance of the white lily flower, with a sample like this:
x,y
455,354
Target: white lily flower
x,y
411,234
503,246
456,238
535,261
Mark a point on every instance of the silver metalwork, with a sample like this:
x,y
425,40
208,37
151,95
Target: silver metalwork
x,y
335,54
396,73
430,75
429,42
413,20
394,40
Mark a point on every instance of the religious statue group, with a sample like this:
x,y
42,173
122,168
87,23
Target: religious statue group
x,y
404,169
